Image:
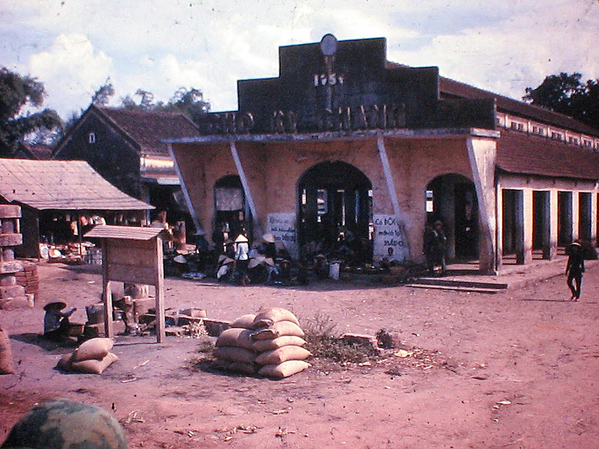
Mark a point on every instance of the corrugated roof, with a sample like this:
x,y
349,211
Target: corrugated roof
x,y
123,232
534,155
64,185
148,128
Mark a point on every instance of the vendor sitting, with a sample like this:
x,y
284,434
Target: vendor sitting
x,y
56,321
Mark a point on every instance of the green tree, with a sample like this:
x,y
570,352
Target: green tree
x,y
567,94
103,94
18,95
185,101
189,102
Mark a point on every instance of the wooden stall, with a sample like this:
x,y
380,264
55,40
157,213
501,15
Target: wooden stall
x,y
131,254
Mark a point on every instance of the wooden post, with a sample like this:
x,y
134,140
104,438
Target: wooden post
x,y
107,294
159,284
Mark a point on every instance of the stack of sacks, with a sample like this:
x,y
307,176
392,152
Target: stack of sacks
x,y
278,340
270,344
234,347
91,357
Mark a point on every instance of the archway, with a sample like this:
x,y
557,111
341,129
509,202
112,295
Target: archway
x,y
335,209
231,215
451,198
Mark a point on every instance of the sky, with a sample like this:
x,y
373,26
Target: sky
x,y
75,46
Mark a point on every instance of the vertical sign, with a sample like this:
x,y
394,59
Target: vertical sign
x,y
389,239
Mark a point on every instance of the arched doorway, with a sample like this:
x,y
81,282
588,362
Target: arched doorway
x,y
335,209
231,215
452,199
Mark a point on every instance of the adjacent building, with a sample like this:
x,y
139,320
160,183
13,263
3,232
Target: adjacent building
x,y
345,146
125,147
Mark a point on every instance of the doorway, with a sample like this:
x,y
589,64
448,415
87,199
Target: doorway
x,y
335,210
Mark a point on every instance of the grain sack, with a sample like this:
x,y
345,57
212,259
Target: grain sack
x,y
244,321
276,343
233,354
6,362
236,367
267,318
279,329
284,369
237,337
94,366
64,364
278,356
95,348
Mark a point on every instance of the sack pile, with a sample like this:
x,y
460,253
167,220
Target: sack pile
x,y
91,357
270,344
6,362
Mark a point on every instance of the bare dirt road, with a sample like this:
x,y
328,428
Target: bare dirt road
x,y
518,369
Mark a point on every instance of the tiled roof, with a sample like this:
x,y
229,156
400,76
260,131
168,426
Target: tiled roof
x,y
509,105
62,185
147,128
522,153
457,89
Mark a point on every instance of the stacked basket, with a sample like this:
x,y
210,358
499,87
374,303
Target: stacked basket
x,y
269,343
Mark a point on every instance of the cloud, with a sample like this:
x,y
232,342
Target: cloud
x,y
74,45
71,69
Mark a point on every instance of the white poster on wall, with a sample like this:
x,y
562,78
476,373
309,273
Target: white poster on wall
x,y
389,239
283,227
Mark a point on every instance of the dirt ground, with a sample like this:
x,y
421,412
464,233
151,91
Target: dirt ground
x,y
518,369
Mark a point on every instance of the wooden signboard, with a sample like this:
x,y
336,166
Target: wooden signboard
x,y
131,254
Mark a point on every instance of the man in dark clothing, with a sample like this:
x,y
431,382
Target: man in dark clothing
x,y
574,269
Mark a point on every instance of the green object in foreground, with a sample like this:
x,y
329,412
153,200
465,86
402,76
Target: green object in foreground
x,y
63,424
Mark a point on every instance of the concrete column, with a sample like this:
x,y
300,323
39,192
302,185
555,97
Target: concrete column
x,y
575,215
594,218
482,154
500,219
527,225
553,223
545,206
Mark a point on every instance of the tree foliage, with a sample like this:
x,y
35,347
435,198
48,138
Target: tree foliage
x,y
18,96
568,94
186,101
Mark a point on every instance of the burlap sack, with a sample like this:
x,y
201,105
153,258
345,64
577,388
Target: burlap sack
x,y
244,321
6,361
237,337
267,318
283,354
95,348
94,366
269,345
64,364
233,354
279,329
236,367
284,369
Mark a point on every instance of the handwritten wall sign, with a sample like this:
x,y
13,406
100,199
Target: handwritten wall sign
x,y
283,227
389,239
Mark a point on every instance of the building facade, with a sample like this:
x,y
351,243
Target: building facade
x,y
344,146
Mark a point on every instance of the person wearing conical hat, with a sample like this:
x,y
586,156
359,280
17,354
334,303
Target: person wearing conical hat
x,y
242,258
56,321
574,269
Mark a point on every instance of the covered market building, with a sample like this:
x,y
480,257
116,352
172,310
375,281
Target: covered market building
x,y
345,146
61,200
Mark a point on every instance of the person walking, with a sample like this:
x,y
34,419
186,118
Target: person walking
x,y
574,269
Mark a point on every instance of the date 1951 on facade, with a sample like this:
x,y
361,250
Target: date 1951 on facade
x,y
328,79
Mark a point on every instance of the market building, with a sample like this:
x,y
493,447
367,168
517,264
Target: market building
x,y
346,147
